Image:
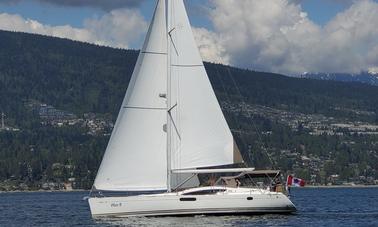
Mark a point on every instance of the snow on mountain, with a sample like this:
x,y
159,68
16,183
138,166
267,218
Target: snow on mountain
x,y
369,77
373,71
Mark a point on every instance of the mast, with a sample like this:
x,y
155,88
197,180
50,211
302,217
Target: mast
x,y
168,12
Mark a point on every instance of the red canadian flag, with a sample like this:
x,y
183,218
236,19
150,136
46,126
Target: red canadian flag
x,y
295,182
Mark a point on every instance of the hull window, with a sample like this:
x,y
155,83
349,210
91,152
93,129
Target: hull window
x,y
206,192
188,199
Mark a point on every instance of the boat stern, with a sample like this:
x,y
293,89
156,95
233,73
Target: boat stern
x,y
289,205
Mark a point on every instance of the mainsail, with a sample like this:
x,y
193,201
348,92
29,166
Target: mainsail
x,y
135,159
202,136
170,118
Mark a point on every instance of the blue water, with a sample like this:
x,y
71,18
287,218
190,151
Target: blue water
x,y
317,207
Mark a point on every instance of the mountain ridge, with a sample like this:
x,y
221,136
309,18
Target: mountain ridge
x,y
368,77
86,83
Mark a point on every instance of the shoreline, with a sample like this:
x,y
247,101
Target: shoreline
x,y
36,191
306,187
339,186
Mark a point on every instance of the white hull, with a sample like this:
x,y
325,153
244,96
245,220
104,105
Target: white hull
x,y
232,201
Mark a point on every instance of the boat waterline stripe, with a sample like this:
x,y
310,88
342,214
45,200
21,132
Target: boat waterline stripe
x,y
144,108
205,211
150,52
187,65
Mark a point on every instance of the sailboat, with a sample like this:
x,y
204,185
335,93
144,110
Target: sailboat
x,y
170,129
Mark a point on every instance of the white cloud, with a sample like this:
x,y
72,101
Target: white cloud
x,y
344,2
11,22
211,46
372,57
269,35
277,35
118,28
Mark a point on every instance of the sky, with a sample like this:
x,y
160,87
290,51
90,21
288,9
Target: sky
x,y
283,36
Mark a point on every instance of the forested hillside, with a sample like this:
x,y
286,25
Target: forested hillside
x,y
60,98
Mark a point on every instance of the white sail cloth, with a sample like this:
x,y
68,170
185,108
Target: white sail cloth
x,y
203,137
135,159
170,118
